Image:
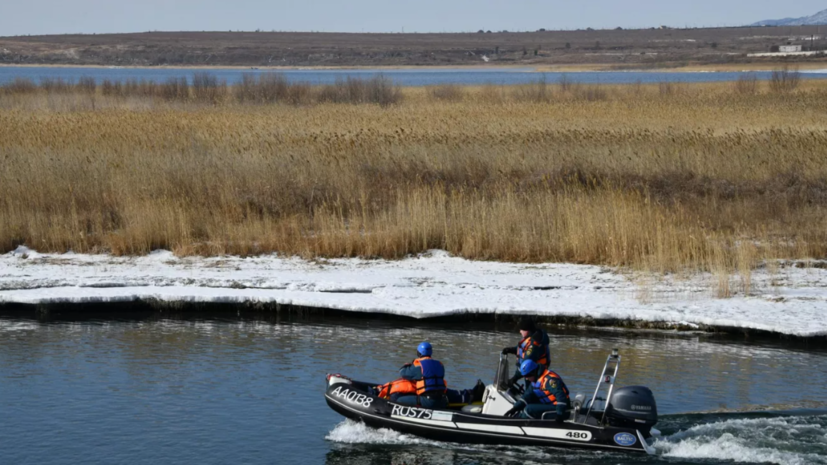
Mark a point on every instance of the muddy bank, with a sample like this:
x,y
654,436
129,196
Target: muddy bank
x,y
152,310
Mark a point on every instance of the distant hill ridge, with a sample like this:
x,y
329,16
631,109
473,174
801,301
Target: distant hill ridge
x,y
818,18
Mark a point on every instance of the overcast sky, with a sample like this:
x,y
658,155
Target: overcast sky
x,y
19,17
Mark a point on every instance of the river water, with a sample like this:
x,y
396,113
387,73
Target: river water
x,y
404,77
145,392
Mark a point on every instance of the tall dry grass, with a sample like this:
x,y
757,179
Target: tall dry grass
x,y
447,92
662,178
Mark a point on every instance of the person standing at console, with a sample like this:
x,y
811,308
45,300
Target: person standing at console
x,y
533,346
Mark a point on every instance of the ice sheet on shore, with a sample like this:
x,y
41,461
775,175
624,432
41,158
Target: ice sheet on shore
x,y
790,301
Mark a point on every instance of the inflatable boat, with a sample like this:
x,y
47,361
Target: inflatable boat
x,y
623,423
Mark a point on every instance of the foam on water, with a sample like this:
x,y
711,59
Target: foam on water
x,y
783,440
356,432
10,326
794,440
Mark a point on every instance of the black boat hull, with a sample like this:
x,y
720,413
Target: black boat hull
x,y
355,402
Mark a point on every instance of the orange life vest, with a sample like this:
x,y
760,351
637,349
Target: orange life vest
x,y
400,386
433,376
526,344
546,383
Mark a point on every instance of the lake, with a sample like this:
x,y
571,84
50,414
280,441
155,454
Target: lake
x,y
404,77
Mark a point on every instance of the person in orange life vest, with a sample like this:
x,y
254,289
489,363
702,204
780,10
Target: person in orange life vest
x,y
546,393
533,346
429,376
411,375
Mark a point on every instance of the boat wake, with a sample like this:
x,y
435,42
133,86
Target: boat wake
x,y
355,432
782,440
790,439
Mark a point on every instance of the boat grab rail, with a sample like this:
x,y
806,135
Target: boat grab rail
x,y
612,359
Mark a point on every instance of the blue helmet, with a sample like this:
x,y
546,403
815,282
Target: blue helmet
x,y
424,349
528,367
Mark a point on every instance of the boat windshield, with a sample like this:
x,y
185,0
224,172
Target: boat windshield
x,y
501,381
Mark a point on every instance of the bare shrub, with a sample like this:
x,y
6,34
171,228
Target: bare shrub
x,y
666,88
56,85
299,93
383,91
112,88
340,91
175,89
537,92
270,88
565,83
246,91
785,80
746,84
591,93
637,88
142,88
19,86
206,88
86,85
379,90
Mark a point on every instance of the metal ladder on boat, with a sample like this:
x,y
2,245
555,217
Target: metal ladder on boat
x,y
606,384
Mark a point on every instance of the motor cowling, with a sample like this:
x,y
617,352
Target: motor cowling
x,y
633,407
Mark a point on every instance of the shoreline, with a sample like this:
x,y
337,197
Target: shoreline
x,y
531,68
287,68
788,304
153,309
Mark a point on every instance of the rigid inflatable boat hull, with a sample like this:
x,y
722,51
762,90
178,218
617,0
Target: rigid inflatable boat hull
x,y
353,401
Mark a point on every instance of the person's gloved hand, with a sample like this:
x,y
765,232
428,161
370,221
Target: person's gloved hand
x,y
512,382
518,407
509,350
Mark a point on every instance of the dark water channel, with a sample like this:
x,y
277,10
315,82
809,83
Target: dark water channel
x,y
251,392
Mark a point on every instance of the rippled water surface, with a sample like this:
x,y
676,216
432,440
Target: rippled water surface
x,y
242,392
405,77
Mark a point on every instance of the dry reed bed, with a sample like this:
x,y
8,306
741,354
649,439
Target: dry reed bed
x,y
696,177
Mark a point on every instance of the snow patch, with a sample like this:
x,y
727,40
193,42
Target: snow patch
x,y
164,255
23,252
785,299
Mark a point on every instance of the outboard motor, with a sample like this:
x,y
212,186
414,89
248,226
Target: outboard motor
x,y
633,407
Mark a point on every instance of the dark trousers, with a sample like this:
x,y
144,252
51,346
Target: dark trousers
x,y
536,411
459,397
432,402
